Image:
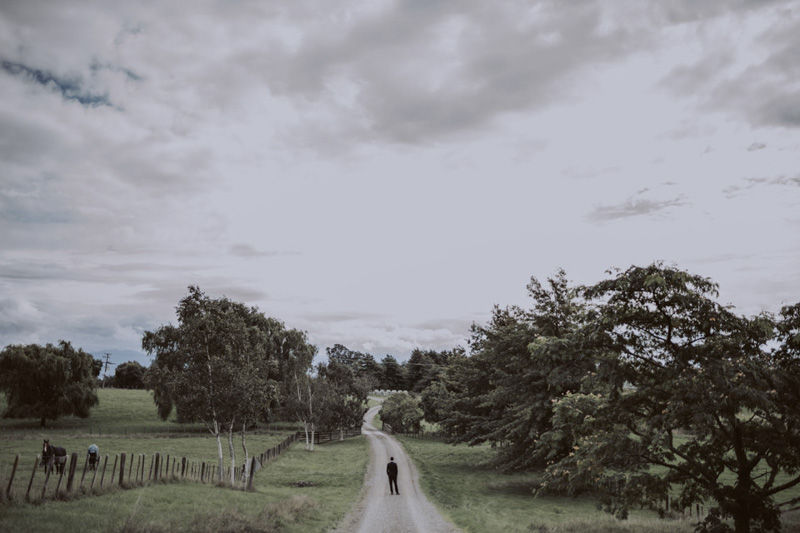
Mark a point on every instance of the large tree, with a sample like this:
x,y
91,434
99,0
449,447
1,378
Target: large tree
x,y
687,397
47,382
521,361
221,365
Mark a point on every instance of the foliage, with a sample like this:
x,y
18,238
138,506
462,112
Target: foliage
x,y
521,361
47,382
402,412
130,375
425,366
686,394
222,364
392,374
363,365
345,398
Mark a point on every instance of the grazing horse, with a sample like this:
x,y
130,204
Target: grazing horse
x,y
53,455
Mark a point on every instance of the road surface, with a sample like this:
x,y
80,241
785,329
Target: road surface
x,y
379,511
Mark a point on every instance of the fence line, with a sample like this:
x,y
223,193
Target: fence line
x,y
185,470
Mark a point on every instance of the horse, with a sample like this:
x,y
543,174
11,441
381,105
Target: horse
x,y
53,455
94,456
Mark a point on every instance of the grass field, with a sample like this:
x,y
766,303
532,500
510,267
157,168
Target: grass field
x,y
335,472
459,480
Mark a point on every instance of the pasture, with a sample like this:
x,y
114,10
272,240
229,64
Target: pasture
x,y
460,481
298,492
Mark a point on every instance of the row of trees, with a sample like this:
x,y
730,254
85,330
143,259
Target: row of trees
x,y
643,382
414,375
229,366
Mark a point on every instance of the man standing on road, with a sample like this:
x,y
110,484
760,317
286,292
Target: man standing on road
x,y
391,470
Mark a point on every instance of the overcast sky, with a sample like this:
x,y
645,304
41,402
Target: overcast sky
x,y
381,173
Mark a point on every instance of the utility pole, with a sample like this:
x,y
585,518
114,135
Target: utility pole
x,y
105,371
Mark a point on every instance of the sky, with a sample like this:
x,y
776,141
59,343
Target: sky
x,y
381,174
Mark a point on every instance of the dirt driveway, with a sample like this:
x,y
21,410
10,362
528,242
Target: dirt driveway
x,y
379,511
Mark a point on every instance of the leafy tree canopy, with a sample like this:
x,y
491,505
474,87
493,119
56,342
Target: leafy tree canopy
x,y
521,361
686,395
47,382
130,375
222,364
402,412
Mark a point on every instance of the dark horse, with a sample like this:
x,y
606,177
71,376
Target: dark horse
x,y
53,455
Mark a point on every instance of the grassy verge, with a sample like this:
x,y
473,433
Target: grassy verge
x,y
300,492
477,498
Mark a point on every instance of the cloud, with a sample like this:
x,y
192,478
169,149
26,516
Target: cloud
x,y
751,183
416,72
634,207
760,83
70,88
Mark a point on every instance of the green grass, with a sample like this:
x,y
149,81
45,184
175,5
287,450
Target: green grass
x,y
120,411
335,471
459,480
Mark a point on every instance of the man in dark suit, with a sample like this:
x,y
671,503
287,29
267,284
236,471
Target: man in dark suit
x,y
391,470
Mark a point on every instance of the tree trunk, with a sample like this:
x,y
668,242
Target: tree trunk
x,y
246,470
312,437
305,428
233,454
219,450
341,433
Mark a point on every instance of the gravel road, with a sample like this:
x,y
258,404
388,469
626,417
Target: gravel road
x,y
379,511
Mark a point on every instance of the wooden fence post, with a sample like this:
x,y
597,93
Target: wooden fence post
x,y
30,483
130,469
60,477
183,467
150,475
73,463
85,466
121,468
94,476
157,466
144,461
11,480
114,469
103,475
47,470
252,470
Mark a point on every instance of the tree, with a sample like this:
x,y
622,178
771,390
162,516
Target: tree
x,y
686,394
392,375
47,382
305,403
220,365
402,412
363,364
424,366
346,398
130,375
521,361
